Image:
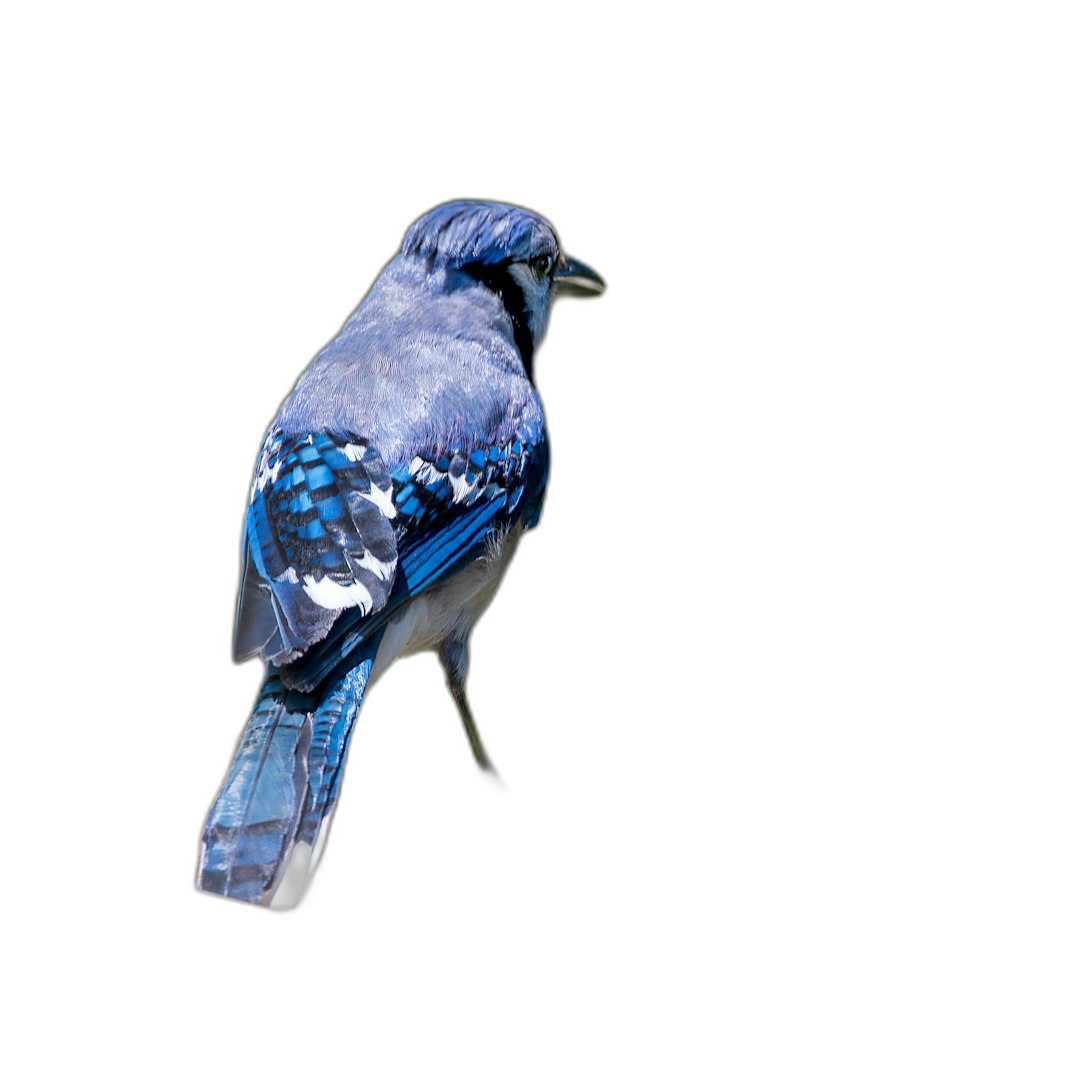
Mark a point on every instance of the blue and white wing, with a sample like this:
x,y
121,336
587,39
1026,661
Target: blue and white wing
x,y
448,506
334,544
319,539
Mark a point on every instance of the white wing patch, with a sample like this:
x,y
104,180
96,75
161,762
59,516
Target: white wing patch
x,y
429,474
383,498
425,471
382,570
267,475
328,593
461,487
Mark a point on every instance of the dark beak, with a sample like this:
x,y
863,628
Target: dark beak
x,y
576,279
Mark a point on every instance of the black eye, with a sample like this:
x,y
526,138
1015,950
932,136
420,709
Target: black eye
x,y
542,265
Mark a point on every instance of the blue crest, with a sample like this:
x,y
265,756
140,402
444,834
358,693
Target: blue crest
x,y
480,232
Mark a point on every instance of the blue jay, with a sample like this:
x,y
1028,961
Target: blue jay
x,y
391,492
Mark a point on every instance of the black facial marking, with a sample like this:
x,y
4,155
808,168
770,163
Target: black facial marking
x,y
497,277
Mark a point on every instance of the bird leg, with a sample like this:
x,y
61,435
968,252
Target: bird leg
x,y
454,655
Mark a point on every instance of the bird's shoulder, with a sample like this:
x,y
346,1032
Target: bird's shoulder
x,y
415,367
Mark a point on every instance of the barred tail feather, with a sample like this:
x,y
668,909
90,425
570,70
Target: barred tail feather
x,y
269,822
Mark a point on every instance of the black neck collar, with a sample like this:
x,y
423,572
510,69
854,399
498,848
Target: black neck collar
x,y
497,277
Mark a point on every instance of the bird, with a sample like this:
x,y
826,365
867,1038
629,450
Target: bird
x,y
390,494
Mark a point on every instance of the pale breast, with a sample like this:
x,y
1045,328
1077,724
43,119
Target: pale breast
x,y
448,610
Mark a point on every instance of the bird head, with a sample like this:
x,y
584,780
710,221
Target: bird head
x,y
510,251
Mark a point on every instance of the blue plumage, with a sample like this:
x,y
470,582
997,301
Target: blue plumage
x,y
411,448
283,783
463,232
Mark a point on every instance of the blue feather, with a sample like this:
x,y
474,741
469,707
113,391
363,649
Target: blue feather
x,y
410,444
479,232
284,782
434,541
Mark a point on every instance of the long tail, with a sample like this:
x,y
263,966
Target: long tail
x,y
268,825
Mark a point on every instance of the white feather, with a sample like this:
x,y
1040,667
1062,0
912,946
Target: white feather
x,y
382,570
461,487
382,499
328,593
268,475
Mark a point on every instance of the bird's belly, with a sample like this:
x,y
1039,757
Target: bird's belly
x,y
448,610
